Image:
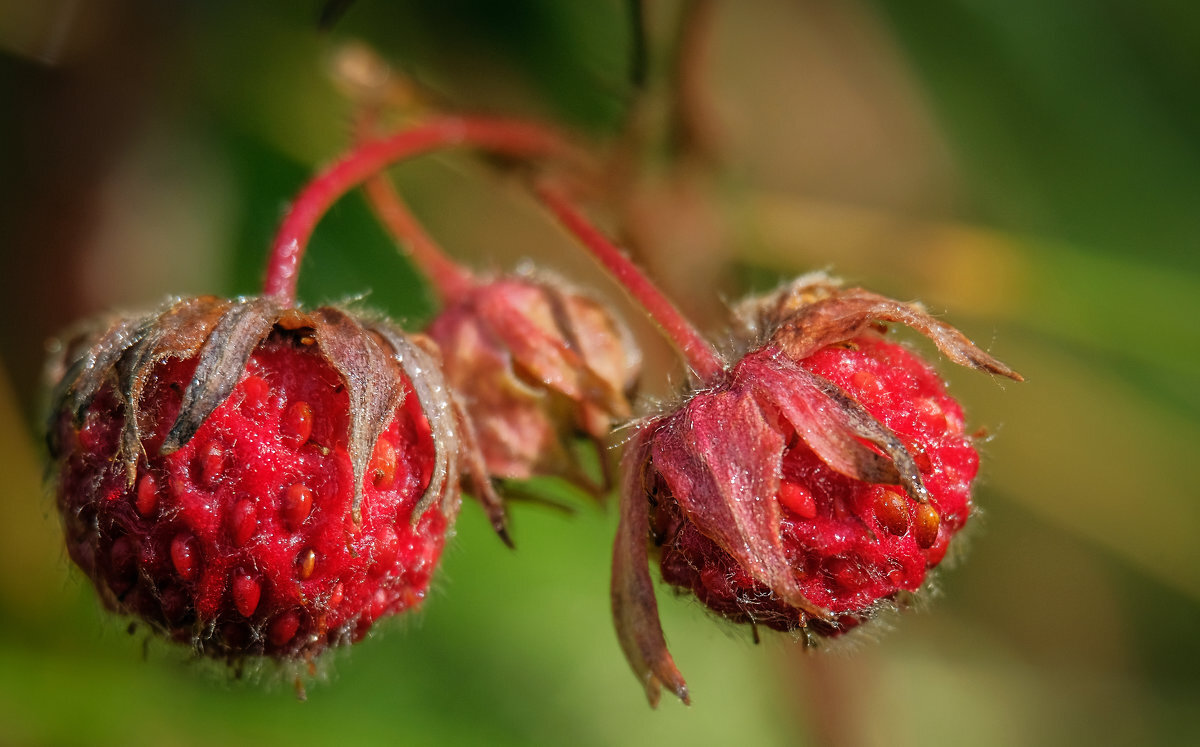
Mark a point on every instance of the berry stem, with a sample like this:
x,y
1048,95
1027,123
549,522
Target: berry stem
x,y
699,354
501,136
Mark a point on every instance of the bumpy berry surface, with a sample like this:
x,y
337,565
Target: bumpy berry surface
x,y
852,544
242,542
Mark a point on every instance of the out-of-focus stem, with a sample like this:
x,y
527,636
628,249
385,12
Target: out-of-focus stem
x,y
500,136
698,353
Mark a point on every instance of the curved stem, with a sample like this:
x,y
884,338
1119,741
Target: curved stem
x,y
501,136
698,353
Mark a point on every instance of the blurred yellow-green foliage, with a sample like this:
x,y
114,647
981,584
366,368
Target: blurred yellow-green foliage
x,y
1032,169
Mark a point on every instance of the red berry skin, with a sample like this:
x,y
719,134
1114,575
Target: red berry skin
x,y
811,483
231,556
850,556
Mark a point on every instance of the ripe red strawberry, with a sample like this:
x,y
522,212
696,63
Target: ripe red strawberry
x,y
853,545
802,487
251,479
808,485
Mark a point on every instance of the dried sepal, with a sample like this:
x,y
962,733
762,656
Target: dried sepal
x,y
371,381
832,423
535,363
475,467
725,481
815,311
419,362
375,365
635,609
803,400
89,369
220,364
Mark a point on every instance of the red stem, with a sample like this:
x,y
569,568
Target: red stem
x,y
449,279
701,356
502,136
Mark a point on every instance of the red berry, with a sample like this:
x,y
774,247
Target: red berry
x,y
844,551
213,473
806,486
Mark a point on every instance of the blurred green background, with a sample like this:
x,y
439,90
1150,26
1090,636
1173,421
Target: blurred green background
x,y
1031,169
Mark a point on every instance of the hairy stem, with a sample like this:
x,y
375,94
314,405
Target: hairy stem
x,y
500,136
698,353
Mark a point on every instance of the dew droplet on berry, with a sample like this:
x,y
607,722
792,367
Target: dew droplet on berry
x,y
306,563
284,628
146,498
297,504
246,593
925,527
297,424
383,465
797,499
243,521
891,508
184,556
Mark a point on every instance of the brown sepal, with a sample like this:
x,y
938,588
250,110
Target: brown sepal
x,y
372,384
222,361
418,357
815,311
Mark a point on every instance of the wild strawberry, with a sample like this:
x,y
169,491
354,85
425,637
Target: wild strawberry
x,y
253,479
533,361
805,486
